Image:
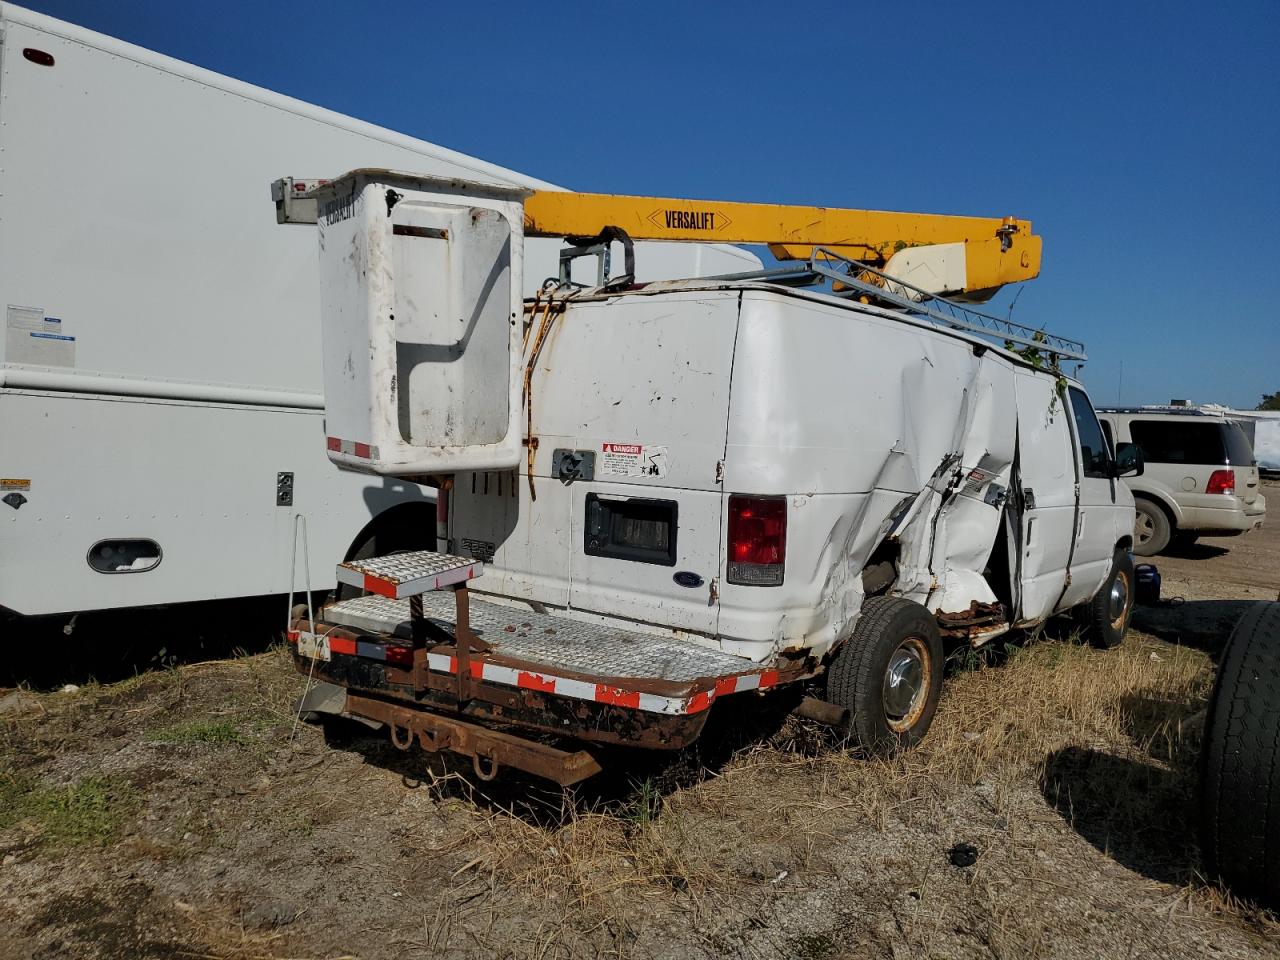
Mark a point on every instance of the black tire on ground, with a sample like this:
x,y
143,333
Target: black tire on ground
x,y
888,675
1151,527
1106,616
1240,761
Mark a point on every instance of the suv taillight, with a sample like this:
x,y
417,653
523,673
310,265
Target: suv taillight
x,y
757,540
1221,481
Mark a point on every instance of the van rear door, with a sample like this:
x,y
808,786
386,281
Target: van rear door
x,y
640,385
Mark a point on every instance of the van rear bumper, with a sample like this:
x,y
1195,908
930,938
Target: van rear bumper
x,y
544,674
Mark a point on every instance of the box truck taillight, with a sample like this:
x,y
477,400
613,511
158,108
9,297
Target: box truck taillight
x,y
1221,481
757,540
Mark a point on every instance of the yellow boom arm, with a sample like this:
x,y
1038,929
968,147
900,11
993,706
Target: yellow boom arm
x,y
995,251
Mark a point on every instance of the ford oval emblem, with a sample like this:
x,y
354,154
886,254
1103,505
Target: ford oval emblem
x,y
687,578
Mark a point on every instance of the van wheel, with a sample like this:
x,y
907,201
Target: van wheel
x,y
1151,527
1240,761
888,675
1106,616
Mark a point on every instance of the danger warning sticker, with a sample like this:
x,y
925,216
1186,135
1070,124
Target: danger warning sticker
x,y
631,460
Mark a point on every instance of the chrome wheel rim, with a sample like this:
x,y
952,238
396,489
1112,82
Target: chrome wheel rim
x,y
906,683
1118,599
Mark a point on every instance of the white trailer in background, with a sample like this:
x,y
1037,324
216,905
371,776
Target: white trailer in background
x,y
161,418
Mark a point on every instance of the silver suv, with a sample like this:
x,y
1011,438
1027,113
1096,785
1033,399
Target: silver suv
x,y
1200,477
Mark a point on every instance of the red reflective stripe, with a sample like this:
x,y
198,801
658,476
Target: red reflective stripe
x,y
616,695
292,636
726,686
381,587
533,681
334,443
699,702
342,645
477,669
362,450
768,679
403,656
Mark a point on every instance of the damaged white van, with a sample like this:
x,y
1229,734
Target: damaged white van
x,y
662,495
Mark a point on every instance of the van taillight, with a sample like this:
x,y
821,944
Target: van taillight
x,y
1221,481
757,540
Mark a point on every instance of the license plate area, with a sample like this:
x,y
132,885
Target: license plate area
x,y
631,528
314,646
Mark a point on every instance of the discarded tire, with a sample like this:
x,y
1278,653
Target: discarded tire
x,y
1240,761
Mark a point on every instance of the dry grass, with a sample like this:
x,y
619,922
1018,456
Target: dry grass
x,y
1070,769
1099,742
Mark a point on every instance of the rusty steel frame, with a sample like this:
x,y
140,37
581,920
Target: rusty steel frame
x,y
435,733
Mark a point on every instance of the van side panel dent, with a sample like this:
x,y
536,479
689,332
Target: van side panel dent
x,y
856,412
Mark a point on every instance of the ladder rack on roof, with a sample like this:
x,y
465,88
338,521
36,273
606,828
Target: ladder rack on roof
x,y
852,276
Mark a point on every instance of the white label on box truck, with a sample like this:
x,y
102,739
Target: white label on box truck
x,y
632,460
31,337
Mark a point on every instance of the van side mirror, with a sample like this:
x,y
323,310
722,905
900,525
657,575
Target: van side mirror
x,y
1129,460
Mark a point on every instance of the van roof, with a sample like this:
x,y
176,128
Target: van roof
x,y
732,284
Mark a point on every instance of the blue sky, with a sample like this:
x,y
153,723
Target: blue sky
x,y
1142,139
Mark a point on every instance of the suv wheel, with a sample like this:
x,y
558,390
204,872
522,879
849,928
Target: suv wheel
x,y
888,675
1151,527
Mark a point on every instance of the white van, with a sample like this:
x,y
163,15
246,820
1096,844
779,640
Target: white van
x,y
719,486
161,416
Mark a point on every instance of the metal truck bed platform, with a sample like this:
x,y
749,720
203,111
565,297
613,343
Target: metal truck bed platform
x,y
568,658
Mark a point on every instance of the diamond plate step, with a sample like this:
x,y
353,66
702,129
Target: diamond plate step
x,y
403,575
523,636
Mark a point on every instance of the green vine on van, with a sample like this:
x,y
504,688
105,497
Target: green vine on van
x,y
1042,361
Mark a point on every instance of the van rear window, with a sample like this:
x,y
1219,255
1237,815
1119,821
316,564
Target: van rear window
x,y
1177,441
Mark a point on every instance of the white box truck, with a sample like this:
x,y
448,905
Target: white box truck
x,y
161,418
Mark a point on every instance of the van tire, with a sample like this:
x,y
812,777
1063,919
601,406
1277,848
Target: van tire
x,y
1240,761
1103,625
1152,527
892,633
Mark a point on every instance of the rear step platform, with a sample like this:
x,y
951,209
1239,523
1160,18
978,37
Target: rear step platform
x,y
402,575
567,658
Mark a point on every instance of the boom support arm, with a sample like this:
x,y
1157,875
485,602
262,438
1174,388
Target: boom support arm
x,y
974,256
